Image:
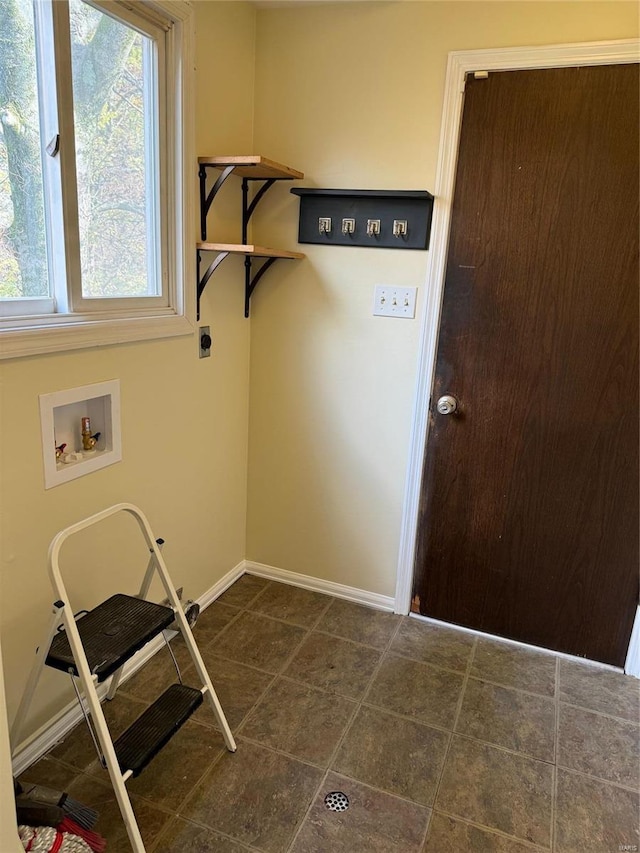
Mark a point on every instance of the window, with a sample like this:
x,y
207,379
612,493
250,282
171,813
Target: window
x,y
95,162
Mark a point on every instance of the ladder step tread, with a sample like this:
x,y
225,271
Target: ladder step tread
x,y
111,633
155,727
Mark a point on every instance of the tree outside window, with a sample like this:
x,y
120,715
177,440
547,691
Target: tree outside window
x,y
112,83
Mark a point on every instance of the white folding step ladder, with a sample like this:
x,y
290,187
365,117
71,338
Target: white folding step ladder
x,y
96,647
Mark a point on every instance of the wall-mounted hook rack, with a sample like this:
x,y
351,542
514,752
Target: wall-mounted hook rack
x,y
377,219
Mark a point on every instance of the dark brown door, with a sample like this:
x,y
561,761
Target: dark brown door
x,y
529,509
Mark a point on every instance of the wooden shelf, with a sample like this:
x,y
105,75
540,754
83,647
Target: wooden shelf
x,y
249,168
253,167
248,249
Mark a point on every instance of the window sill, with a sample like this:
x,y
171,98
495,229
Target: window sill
x,y
89,332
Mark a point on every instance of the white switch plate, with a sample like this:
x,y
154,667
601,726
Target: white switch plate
x,y
392,301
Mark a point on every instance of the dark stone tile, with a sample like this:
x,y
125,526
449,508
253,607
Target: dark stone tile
x,y
255,796
395,755
99,795
508,718
418,690
300,720
599,746
237,687
179,766
211,621
243,591
513,666
497,789
434,644
593,817
600,690
184,837
374,822
259,641
77,748
50,773
360,624
290,603
158,673
338,666
447,835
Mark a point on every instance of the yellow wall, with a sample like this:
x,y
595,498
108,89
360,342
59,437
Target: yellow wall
x,y
184,421
352,95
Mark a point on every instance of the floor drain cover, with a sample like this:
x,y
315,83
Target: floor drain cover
x,y
336,801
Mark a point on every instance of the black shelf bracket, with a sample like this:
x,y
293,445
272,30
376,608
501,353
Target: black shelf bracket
x,y
248,207
206,199
202,280
250,282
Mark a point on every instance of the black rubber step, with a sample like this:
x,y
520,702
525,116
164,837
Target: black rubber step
x,y
111,633
145,738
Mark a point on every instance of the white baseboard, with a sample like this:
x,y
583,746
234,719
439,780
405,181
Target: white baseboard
x,y
338,590
223,584
54,730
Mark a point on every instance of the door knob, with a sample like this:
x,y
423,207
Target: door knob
x,y
447,405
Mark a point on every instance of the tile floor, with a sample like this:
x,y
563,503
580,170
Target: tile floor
x,y
443,742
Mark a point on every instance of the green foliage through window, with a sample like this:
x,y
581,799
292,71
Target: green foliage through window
x,y
115,117
23,254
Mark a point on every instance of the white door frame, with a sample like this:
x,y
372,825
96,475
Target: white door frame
x,y
460,63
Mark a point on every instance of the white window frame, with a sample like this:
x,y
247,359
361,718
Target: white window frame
x,y
89,322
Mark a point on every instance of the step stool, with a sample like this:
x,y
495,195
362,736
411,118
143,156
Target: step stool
x,y
95,647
